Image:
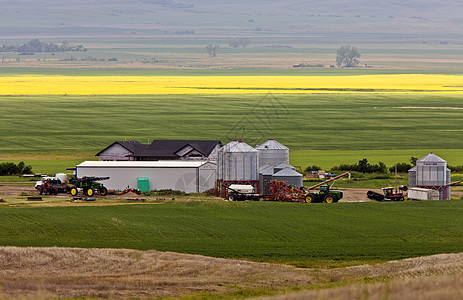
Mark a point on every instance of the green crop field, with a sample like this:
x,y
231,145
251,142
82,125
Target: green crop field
x,y
316,122
382,127
289,233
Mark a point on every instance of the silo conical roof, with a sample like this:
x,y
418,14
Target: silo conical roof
x,y
269,170
264,167
228,146
241,147
287,172
431,158
284,165
271,144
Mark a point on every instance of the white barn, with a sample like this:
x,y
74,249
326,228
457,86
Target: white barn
x,y
185,176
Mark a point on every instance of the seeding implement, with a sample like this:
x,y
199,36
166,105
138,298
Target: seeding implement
x,y
281,191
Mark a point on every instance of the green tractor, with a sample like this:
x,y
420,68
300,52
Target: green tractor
x,y
324,195
88,185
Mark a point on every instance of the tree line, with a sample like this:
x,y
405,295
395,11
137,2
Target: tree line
x,y
9,168
36,45
364,166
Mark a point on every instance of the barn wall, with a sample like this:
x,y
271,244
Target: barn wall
x,y
186,179
115,152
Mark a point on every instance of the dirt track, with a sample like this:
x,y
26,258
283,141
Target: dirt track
x,y
350,195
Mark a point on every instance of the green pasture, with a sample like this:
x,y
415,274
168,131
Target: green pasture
x,y
53,133
310,122
290,233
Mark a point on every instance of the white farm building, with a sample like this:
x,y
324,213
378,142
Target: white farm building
x,y
185,176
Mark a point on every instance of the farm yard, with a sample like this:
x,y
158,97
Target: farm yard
x,y
199,246
76,77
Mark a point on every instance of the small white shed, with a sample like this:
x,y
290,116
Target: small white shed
x,y
185,176
416,193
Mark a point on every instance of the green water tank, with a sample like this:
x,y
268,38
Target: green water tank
x,y
143,184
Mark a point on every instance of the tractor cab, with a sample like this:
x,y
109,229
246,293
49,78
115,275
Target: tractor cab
x,y
324,189
394,195
387,191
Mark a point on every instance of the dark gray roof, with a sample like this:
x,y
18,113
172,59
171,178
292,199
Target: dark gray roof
x,y
169,148
132,146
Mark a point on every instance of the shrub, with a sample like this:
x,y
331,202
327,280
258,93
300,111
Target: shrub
x,y
363,166
9,168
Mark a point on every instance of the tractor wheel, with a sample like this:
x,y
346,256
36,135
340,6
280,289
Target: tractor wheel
x,y
55,192
74,191
310,198
103,191
90,192
330,198
40,190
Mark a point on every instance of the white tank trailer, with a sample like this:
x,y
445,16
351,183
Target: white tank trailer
x,y
272,152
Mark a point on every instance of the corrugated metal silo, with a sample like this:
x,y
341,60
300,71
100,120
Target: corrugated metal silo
x,y
240,162
289,175
272,152
282,166
431,170
265,176
220,160
412,177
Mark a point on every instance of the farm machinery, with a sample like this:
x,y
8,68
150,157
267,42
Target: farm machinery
x,y
325,193
389,194
281,191
88,185
52,185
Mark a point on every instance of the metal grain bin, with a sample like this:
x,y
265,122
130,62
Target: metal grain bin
x,y
412,177
431,170
240,162
289,175
282,166
265,176
220,160
272,152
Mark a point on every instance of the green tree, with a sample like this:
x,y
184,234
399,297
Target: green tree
x,y
212,49
347,56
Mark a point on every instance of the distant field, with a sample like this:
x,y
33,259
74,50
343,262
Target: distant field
x,y
142,85
289,233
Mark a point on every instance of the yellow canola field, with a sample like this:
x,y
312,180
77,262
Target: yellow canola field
x,y
126,85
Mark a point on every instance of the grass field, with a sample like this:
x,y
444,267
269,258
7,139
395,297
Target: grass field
x,y
288,233
316,122
57,132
